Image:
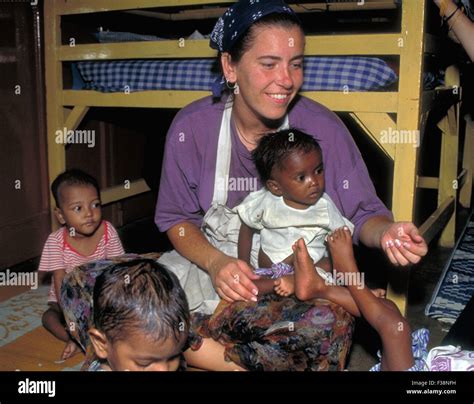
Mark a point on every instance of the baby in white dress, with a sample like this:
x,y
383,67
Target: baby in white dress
x,y
291,206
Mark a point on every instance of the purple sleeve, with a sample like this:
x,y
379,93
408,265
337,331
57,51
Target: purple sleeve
x,y
353,188
359,198
178,195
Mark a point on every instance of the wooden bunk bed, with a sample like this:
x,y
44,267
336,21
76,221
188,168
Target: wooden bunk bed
x,y
405,109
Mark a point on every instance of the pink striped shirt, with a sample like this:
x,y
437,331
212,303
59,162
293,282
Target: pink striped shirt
x,y
58,254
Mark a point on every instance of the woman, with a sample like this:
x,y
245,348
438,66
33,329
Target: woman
x,y
207,168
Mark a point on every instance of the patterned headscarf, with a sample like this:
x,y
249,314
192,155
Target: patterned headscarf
x,y
236,21
239,17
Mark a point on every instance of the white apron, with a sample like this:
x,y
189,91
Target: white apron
x,y
220,226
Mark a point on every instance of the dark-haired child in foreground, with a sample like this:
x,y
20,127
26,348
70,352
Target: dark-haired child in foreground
x,y
292,205
141,318
83,237
382,314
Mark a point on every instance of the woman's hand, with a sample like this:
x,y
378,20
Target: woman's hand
x,y
402,243
232,279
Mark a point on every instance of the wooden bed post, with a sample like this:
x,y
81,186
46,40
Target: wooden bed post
x,y
408,119
55,113
448,182
467,164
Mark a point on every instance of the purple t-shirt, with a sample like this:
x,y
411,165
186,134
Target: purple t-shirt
x,y
187,179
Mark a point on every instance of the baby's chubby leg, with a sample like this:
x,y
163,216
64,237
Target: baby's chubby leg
x,y
309,285
381,314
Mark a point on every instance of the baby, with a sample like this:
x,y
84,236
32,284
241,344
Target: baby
x,y
83,237
141,318
292,205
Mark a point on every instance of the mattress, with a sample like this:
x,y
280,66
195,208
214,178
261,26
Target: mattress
x,y
346,74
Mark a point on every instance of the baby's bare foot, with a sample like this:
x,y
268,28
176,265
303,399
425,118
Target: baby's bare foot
x,y
308,284
285,286
340,246
70,350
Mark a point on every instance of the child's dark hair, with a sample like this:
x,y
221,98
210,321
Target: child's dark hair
x,y
140,296
274,148
72,177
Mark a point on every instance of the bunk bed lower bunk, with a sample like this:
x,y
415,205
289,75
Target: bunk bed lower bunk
x,y
401,110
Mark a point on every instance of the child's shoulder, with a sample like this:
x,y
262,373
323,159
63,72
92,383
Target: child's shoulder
x,y
256,197
109,228
56,236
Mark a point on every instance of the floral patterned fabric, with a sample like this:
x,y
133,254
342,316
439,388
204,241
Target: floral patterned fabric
x,y
279,333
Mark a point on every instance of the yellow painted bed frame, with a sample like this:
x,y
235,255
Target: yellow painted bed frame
x,y
373,111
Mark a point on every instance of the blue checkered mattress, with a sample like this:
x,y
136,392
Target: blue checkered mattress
x,y
320,74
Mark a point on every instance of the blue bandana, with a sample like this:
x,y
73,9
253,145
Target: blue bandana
x,y
239,17
236,21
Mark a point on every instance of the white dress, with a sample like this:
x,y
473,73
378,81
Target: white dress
x,y
281,225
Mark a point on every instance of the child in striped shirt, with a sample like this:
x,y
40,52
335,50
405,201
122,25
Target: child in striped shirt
x,y
83,237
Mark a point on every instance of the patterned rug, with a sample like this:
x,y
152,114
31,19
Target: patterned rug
x,y
22,314
456,285
24,343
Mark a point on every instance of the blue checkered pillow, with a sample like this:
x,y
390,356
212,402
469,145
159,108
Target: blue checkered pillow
x,y
321,74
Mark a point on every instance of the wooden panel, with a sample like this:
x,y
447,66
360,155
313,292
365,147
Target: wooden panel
x,y
145,99
468,164
448,170
65,7
216,12
365,44
75,117
22,239
24,203
138,50
84,6
376,125
119,192
427,182
437,221
54,85
381,44
334,100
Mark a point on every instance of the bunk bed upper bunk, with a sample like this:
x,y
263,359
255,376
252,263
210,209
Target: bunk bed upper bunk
x,y
402,109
